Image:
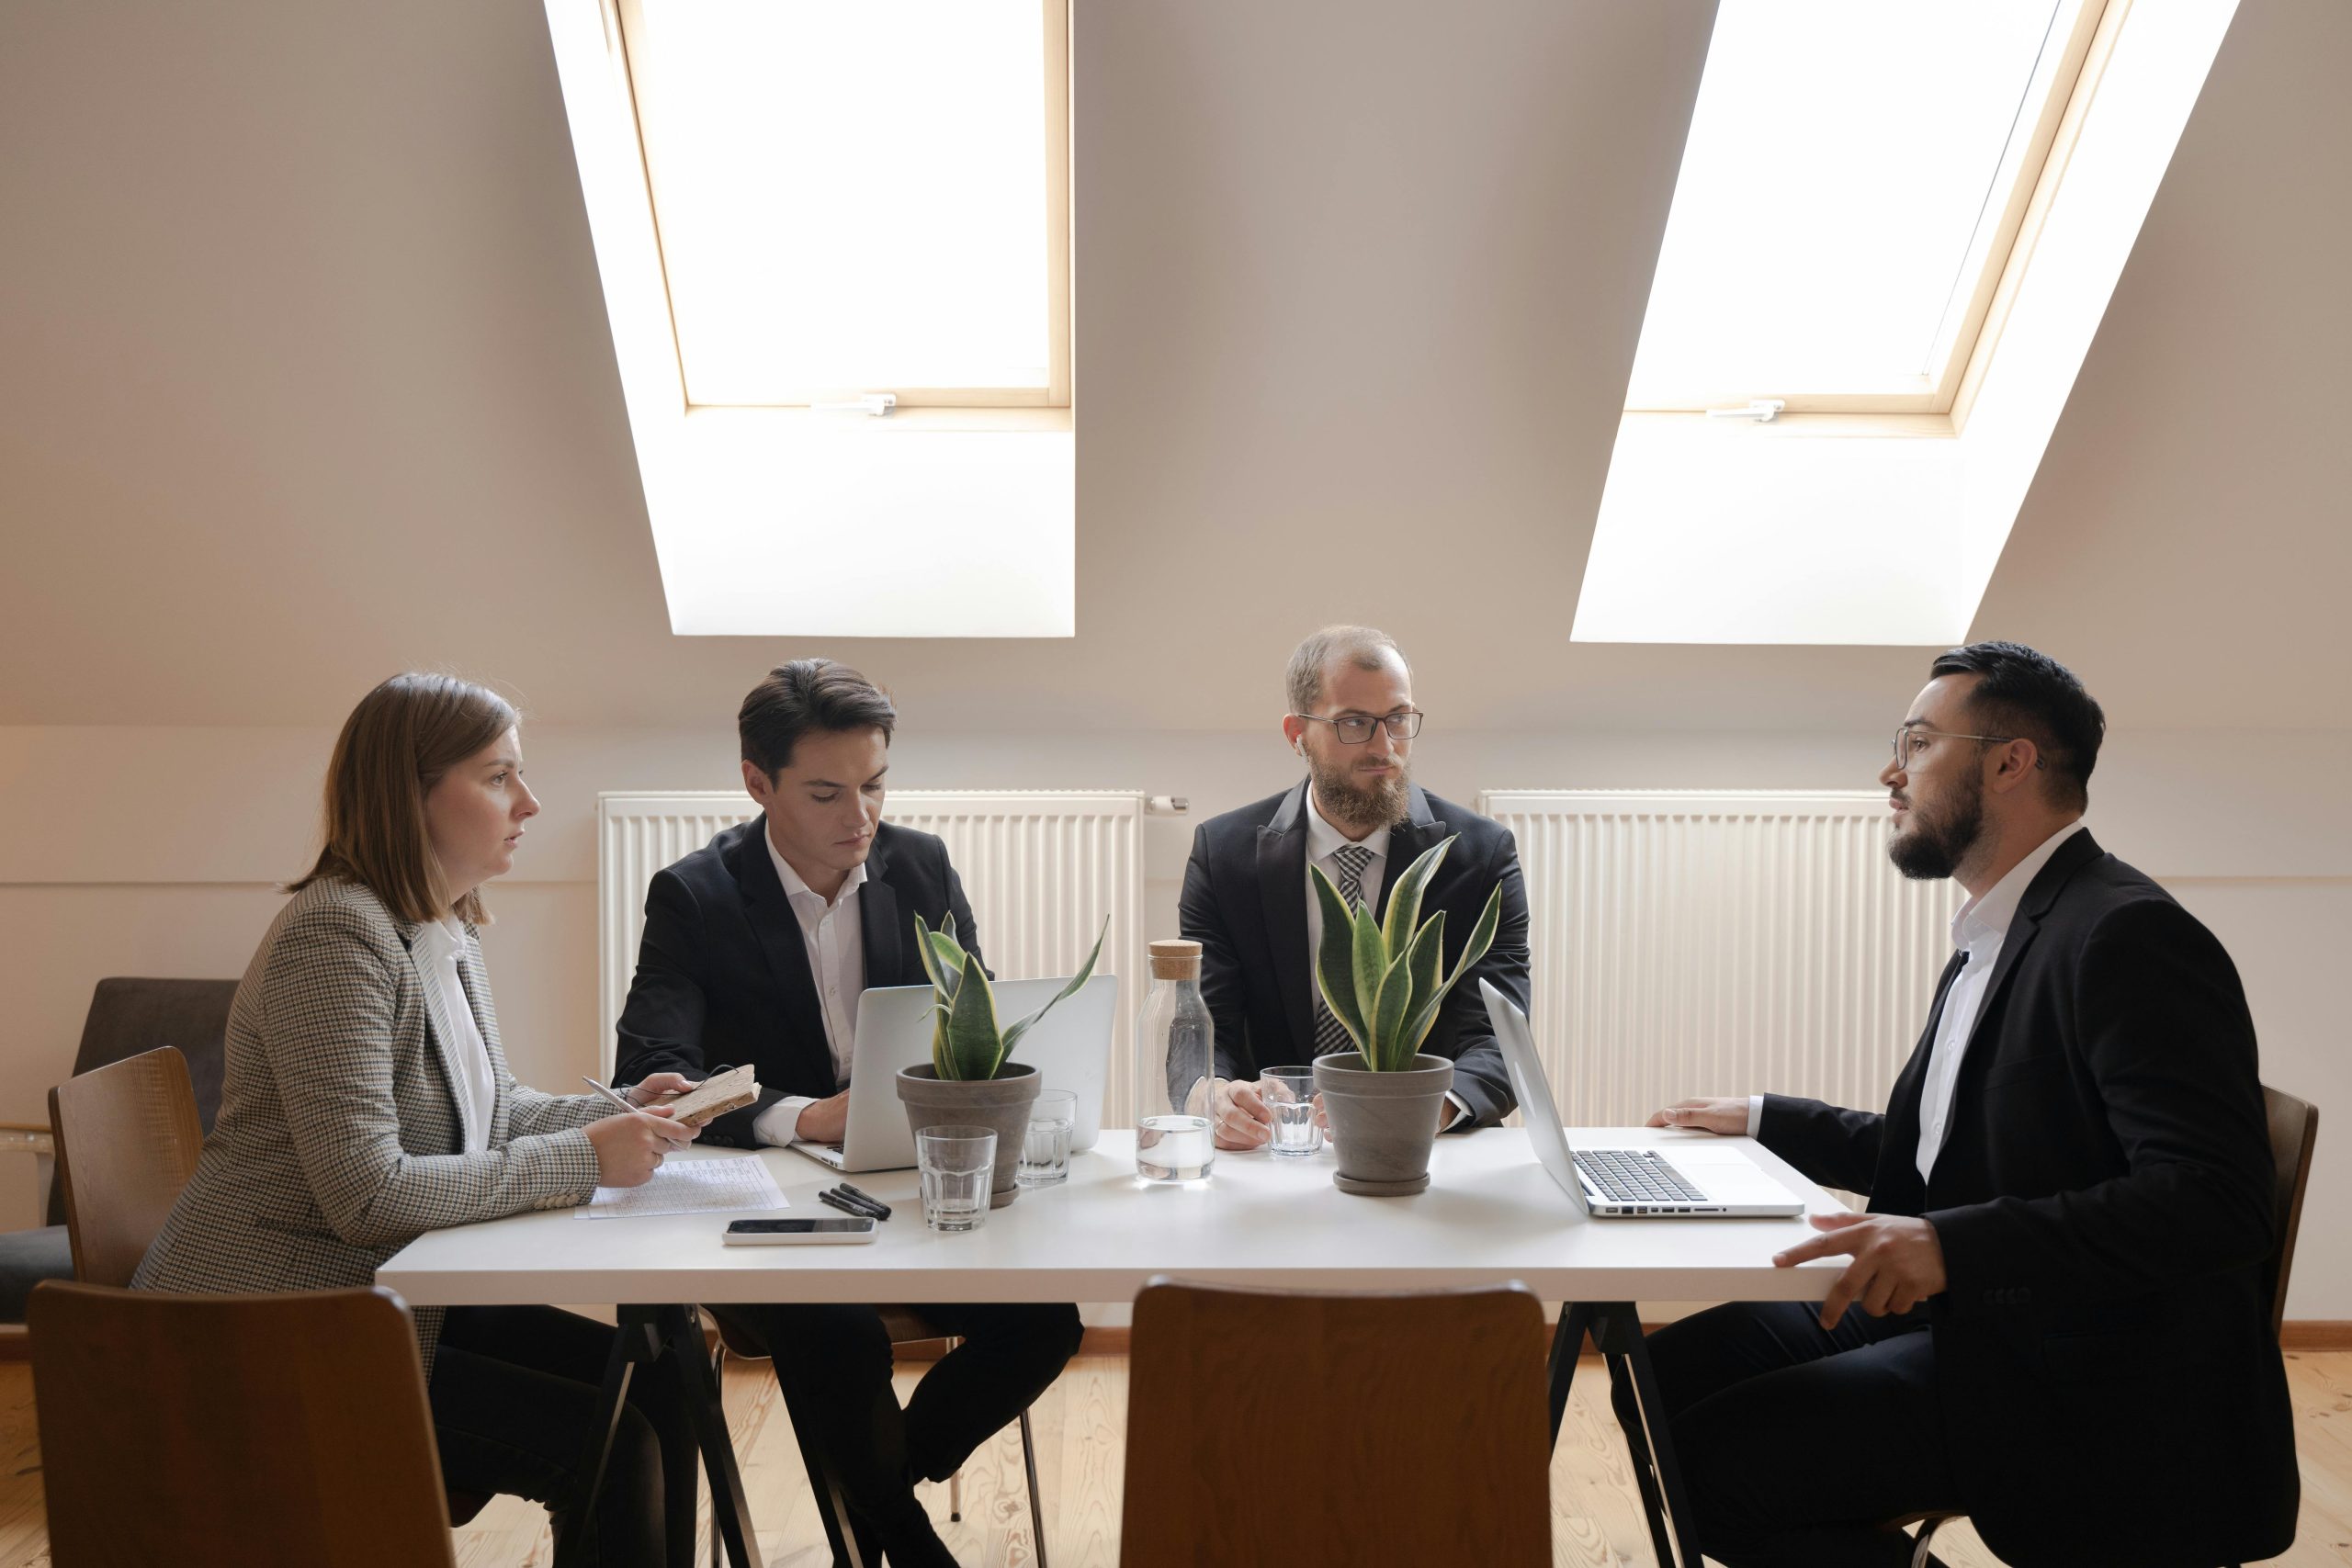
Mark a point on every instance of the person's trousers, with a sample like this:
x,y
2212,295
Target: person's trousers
x,y
833,1363
1797,1445
514,1396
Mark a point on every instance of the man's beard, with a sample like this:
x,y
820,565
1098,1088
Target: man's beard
x,y
1932,851
1364,807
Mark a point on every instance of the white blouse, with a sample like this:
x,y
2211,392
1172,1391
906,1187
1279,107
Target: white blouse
x,y
438,943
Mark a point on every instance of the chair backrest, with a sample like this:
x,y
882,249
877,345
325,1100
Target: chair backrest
x,y
127,1142
1272,1428
2294,1131
129,1016
259,1430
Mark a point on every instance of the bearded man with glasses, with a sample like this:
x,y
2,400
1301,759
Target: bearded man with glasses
x,y
1249,901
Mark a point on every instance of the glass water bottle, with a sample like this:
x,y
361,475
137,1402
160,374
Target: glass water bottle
x,y
1175,1065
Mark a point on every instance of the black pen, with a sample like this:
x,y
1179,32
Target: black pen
x,y
868,1198
859,1200
845,1206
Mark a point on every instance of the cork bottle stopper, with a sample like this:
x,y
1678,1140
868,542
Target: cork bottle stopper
x,y
1175,960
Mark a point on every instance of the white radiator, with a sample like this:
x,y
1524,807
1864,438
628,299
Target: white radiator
x,y
1041,868
1697,942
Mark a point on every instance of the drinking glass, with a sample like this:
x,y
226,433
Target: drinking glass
x,y
958,1165
1290,1094
1045,1153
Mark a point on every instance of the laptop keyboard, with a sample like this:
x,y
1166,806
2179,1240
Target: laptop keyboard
x,y
1636,1176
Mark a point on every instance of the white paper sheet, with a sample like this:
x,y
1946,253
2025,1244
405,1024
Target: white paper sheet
x,y
691,1186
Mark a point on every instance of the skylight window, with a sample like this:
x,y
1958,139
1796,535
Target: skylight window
x,y
1855,177
854,199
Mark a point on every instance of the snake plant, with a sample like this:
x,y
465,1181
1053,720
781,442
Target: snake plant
x,y
966,1042
1381,978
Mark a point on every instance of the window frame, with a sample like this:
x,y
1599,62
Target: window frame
x,y
625,21
2034,166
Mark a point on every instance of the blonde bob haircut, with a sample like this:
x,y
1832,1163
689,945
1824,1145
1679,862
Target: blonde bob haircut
x,y
397,744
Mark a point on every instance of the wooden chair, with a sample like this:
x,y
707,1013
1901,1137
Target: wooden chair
x,y
906,1326
1266,1428
2294,1132
259,1430
127,1142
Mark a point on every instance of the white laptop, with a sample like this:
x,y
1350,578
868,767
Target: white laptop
x,y
1649,1183
1071,1048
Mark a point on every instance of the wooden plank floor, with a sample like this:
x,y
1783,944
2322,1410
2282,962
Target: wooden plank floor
x,y
1596,1518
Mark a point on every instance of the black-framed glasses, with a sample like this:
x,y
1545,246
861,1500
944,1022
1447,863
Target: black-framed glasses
x,y
1355,728
1910,740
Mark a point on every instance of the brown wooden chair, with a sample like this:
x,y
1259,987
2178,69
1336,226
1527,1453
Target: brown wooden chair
x,y
1268,1429
2294,1132
906,1326
127,1142
260,1430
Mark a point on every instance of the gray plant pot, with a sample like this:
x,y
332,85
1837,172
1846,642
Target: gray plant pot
x,y
1383,1124
1001,1104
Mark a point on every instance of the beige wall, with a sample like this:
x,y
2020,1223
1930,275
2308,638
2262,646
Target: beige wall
x,y
159,846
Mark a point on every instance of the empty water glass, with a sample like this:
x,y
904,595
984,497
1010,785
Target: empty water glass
x,y
958,1167
1289,1094
1045,1153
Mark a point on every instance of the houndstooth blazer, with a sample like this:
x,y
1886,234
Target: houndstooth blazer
x,y
339,1137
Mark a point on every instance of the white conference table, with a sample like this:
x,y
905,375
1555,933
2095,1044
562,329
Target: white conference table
x,y
1491,1214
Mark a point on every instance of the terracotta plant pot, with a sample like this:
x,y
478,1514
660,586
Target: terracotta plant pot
x,y
1001,1103
1383,1124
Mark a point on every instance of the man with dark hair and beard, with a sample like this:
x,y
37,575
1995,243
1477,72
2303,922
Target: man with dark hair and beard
x,y
2065,1273
1249,899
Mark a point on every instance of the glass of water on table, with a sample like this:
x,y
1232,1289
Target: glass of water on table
x,y
1290,1096
1045,1153
957,1165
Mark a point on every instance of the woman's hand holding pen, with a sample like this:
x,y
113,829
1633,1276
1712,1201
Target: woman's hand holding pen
x,y
630,1148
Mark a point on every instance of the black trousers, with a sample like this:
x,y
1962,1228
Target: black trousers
x,y
1796,1444
834,1365
514,1394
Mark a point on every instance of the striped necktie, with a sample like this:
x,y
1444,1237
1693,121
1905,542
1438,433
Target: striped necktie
x,y
1331,1034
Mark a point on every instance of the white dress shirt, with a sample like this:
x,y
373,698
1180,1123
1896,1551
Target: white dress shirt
x,y
1323,842
1978,928
836,944
438,943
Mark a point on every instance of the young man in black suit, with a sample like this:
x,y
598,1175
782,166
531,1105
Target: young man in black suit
x,y
756,948
2063,1276
1248,902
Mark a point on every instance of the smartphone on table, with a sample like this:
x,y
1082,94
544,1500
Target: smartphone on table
x,y
798,1233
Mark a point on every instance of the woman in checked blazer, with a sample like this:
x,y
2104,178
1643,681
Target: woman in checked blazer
x,y
368,1100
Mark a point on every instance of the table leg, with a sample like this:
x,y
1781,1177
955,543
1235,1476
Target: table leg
x,y
644,1333
1567,1343
730,1512
1616,1330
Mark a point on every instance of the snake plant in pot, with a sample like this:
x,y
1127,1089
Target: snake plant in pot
x,y
1384,980
971,1079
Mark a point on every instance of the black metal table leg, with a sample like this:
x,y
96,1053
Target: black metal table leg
x,y
730,1513
1567,1343
1616,1330
644,1333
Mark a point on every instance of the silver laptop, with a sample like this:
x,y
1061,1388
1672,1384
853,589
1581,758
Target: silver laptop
x,y
1071,1048
1664,1183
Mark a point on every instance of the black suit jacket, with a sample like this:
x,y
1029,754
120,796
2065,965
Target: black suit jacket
x,y
2111,1389
1245,903
722,970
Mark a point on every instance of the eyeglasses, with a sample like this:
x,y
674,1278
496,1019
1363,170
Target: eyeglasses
x,y
1910,740
1356,727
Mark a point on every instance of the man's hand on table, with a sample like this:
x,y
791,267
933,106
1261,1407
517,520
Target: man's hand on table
x,y
823,1121
1898,1262
1727,1116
